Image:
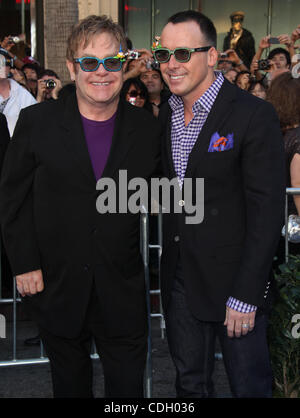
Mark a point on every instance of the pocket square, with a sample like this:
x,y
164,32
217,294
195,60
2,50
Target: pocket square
x,y
220,143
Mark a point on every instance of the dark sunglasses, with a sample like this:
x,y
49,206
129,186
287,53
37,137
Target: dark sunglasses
x,y
135,93
89,64
163,55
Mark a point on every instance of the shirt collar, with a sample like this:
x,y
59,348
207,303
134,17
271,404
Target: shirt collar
x,y
206,101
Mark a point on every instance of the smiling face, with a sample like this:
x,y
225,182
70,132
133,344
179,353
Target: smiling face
x,y
97,90
190,79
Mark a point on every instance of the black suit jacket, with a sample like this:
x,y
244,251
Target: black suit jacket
x,y
49,217
230,253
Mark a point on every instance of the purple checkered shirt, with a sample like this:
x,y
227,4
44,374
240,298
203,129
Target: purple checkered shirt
x,y
183,139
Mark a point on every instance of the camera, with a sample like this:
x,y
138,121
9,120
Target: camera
x,y
14,39
152,65
133,55
223,55
264,65
50,84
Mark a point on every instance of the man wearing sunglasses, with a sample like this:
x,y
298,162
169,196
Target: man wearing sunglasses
x,y
215,274
80,271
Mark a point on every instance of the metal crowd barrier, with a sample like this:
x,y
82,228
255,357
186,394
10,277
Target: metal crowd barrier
x,y
145,246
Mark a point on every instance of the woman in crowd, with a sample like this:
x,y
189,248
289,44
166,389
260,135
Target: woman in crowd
x,y
258,89
284,94
243,80
135,92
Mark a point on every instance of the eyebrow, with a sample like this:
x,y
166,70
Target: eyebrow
x,y
94,56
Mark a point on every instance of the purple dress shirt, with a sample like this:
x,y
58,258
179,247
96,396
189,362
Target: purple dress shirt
x,y
98,137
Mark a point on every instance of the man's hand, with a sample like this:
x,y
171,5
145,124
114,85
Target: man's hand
x,y
285,40
296,34
57,88
7,43
29,284
264,42
234,321
233,56
41,90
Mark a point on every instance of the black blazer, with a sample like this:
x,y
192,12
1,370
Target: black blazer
x,y
48,213
4,138
230,253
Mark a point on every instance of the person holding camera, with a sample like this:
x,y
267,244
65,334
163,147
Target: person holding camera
x,y
49,86
278,60
8,43
13,97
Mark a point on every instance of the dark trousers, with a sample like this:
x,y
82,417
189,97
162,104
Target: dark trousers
x,y
71,366
192,347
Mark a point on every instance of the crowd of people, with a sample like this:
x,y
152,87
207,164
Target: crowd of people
x,y
144,85
83,272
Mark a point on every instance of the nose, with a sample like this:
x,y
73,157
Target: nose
x,y
173,63
101,70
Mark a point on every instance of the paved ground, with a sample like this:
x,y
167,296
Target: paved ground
x,y
34,381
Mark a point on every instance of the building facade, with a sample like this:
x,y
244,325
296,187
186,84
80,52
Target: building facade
x,y
47,22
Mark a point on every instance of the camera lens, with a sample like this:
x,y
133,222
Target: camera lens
x,y
50,84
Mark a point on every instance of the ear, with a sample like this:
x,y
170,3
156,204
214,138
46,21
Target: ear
x,y
71,68
212,57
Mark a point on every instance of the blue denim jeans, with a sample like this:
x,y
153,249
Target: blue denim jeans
x,y
192,348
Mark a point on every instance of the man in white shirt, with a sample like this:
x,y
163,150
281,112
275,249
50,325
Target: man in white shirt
x,y
13,97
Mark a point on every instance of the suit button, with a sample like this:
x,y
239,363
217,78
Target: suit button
x,y
87,267
94,231
181,203
176,238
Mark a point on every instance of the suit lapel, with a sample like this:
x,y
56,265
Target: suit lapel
x,y
166,119
217,117
74,138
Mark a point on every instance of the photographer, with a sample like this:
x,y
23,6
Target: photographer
x,y
49,86
32,72
13,97
230,59
278,60
136,63
8,43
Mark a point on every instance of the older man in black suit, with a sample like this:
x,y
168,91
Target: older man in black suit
x,y
80,271
216,273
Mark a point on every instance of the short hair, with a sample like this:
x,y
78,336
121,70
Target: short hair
x,y
48,72
205,24
85,29
284,93
254,83
277,51
33,67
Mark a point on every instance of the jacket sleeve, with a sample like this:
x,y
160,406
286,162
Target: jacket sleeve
x,y
264,180
16,201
